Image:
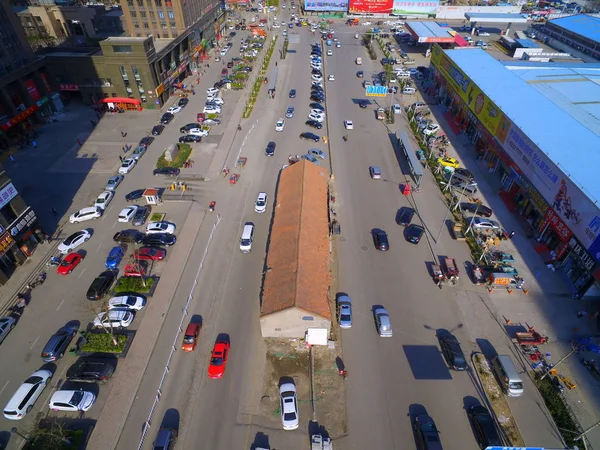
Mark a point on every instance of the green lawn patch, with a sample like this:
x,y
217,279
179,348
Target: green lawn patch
x,y
133,284
103,342
157,217
184,154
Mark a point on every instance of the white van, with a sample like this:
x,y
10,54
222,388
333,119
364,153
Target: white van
x,y
247,237
409,90
507,375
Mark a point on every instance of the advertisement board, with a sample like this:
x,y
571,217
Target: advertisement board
x,y
456,77
371,6
32,90
410,7
484,109
326,5
7,194
573,207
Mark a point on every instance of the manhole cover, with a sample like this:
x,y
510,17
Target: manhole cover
x,y
364,248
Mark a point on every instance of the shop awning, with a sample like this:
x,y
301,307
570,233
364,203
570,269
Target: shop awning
x,y
460,41
133,101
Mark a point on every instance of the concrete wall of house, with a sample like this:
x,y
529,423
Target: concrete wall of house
x,y
291,323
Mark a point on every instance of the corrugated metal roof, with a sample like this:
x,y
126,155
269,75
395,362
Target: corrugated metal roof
x,y
298,255
556,105
497,17
527,43
582,24
428,29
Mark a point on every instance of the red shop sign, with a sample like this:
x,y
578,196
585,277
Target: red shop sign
x,y
559,227
15,120
68,87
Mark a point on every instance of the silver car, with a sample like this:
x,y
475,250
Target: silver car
x,y
382,320
113,182
345,311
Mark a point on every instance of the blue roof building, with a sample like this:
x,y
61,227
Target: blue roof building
x,y
581,32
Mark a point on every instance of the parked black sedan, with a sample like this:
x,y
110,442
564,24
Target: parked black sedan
x,y
484,427
317,97
190,138
405,216
167,171
189,126
159,239
480,210
166,118
380,239
317,106
310,137
134,195
157,130
183,102
414,233
128,237
146,141
314,124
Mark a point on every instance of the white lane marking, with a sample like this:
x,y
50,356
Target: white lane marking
x,y
81,274
4,387
34,342
60,304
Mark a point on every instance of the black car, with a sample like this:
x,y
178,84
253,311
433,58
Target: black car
x,y
159,239
134,195
229,65
405,216
317,106
414,233
270,150
380,240
146,141
183,102
157,130
427,433
140,216
293,93
363,104
317,98
92,369
317,89
480,210
360,74
232,34
484,427
246,69
219,84
101,285
310,137
387,61
452,352
316,72
314,124
128,237
189,126
166,118
168,171
190,138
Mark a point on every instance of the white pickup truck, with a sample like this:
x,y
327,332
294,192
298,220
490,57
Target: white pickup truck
x,y
319,442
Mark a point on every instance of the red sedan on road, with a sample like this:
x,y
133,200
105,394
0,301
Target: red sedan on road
x,y
69,263
150,254
218,360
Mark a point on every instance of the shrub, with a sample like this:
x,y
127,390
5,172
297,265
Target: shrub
x,y
182,157
240,76
133,284
103,342
559,411
54,438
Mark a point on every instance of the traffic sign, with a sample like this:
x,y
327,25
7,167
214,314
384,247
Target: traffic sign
x,y
376,91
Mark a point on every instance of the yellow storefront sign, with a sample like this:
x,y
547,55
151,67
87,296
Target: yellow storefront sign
x,y
484,109
160,89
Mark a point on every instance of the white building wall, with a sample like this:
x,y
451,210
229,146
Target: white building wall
x,y
458,12
291,323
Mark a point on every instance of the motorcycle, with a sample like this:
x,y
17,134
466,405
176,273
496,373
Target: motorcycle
x,y
54,262
211,206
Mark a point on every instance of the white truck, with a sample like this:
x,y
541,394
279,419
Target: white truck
x,y
319,442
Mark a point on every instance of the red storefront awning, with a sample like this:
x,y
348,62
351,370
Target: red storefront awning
x,y
133,101
460,41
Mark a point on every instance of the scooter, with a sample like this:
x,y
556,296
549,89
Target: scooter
x,y
211,206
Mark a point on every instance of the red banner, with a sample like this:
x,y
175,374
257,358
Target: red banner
x,y
371,6
15,120
32,90
559,227
68,87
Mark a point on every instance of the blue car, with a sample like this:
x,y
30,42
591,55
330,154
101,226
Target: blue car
x,y
114,257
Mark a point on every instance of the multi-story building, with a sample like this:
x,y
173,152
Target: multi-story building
x,y
19,229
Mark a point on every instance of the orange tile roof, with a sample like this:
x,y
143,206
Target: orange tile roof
x,y
299,244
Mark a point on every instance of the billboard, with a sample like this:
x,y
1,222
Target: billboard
x,y
371,6
409,7
32,90
326,5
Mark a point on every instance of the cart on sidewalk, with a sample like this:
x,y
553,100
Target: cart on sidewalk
x,y
530,338
241,162
437,274
502,258
234,178
451,270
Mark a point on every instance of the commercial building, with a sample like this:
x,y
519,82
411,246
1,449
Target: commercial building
x,y
534,125
296,284
580,32
19,229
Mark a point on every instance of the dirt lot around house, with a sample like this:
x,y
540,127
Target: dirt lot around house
x,y
291,358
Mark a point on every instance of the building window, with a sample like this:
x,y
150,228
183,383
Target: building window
x,y
171,14
106,82
122,49
138,34
140,3
161,15
136,73
136,24
113,94
163,25
8,213
123,73
173,25
133,13
130,3
146,25
158,2
143,14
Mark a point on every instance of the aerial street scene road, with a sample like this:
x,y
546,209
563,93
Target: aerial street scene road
x,y
280,225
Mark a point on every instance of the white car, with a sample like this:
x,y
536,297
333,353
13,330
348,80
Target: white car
x,y
160,227
260,206
317,117
26,395
174,109
84,214
316,78
6,324
331,77
104,199
316,66
198,132
329,52
127,166
289,406
74,241
348,125
134,302
338,45
224,51
431,129
113,319
276,25
483,224
126,214
73,401
397,108
211,109
484,33
284,33
280,125
318,153
212,92
217,101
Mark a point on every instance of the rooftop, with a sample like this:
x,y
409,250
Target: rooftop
x,y
527,43
581,24
298,253
568,94
429,29
495,17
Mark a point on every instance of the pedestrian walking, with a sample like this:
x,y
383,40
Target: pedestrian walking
x,y
79,142
54,212
121,158
47,237
193,92
512,233
123,134
581,314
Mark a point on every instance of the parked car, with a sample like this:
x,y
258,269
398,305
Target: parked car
x,y
380,240
127,165
128,237
427,433
452,352
344,311
68,264
74,241
150,254
133,302
174,109
114,318
483,224
22,401
405,216
317,153
72,400
448,162
160,227
138,152
104,199
317,106
477,209
158,239
183,102
314,124
166,118
310,137
484,427
189,126
6,325
135,195
92,369
58,343
310,158
101,285
166,171
113,182
288,406
146,141
127,213
157,130
414,233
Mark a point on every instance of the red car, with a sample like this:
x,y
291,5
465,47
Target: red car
x,y
218,360
150,254
224,72
69,263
